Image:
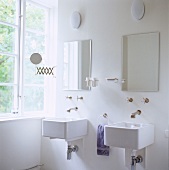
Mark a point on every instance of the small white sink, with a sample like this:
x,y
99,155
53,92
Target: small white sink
x,y
64,128
129,135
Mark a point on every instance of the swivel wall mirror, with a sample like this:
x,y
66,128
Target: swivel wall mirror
x,y
140,66
77,65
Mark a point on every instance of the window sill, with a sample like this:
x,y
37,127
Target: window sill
x,y
18,117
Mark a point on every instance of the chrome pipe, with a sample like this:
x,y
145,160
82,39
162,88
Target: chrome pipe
x,y
71,149
135,160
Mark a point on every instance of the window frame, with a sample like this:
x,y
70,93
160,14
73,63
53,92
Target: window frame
x,y
48,52
16,56
21,32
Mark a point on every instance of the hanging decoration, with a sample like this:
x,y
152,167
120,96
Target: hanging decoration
x,y
36,58
44,70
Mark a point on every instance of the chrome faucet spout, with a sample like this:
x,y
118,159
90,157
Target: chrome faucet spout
x,y
75,108
133,115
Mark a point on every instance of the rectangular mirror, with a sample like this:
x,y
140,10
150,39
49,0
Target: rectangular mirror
x,y
77,65
140,66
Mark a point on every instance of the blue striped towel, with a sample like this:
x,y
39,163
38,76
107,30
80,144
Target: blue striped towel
x,y
101,148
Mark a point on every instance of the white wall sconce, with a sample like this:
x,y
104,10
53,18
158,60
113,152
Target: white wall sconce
x,y
91,82
138,9
75,20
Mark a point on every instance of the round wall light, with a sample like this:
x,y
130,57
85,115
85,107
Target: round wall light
x,y
138,9
75,20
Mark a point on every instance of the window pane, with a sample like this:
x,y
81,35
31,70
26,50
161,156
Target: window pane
x,y
8,39
7,65
8,11
34,43
35,17
34,99
29,72
6,99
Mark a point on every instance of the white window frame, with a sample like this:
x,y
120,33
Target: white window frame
x,y
19,98
49,84
16,55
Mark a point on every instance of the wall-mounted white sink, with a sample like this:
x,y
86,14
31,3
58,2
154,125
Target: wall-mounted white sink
x,y
129,135
64,128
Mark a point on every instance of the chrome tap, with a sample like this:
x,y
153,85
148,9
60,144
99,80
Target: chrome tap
x,y
69,97
135,160
75,108
145,100
71,149
133,115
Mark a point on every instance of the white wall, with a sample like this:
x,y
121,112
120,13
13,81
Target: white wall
x,y
105,22
20,144
168,82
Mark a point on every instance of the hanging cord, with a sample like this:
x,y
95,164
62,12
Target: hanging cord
x,y
34,167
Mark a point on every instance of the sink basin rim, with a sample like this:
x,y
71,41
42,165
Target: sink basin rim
x,y
58,119
129,125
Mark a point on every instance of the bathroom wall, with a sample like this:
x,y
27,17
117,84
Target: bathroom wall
x,y
168,90
20,144
105,22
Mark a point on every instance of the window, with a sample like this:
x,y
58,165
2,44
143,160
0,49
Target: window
x,y
9,55
36,36
19,38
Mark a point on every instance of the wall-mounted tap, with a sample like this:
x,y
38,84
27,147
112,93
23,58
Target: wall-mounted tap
x,y
133,115
145,100
69,97
79,98
129,99
75,108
